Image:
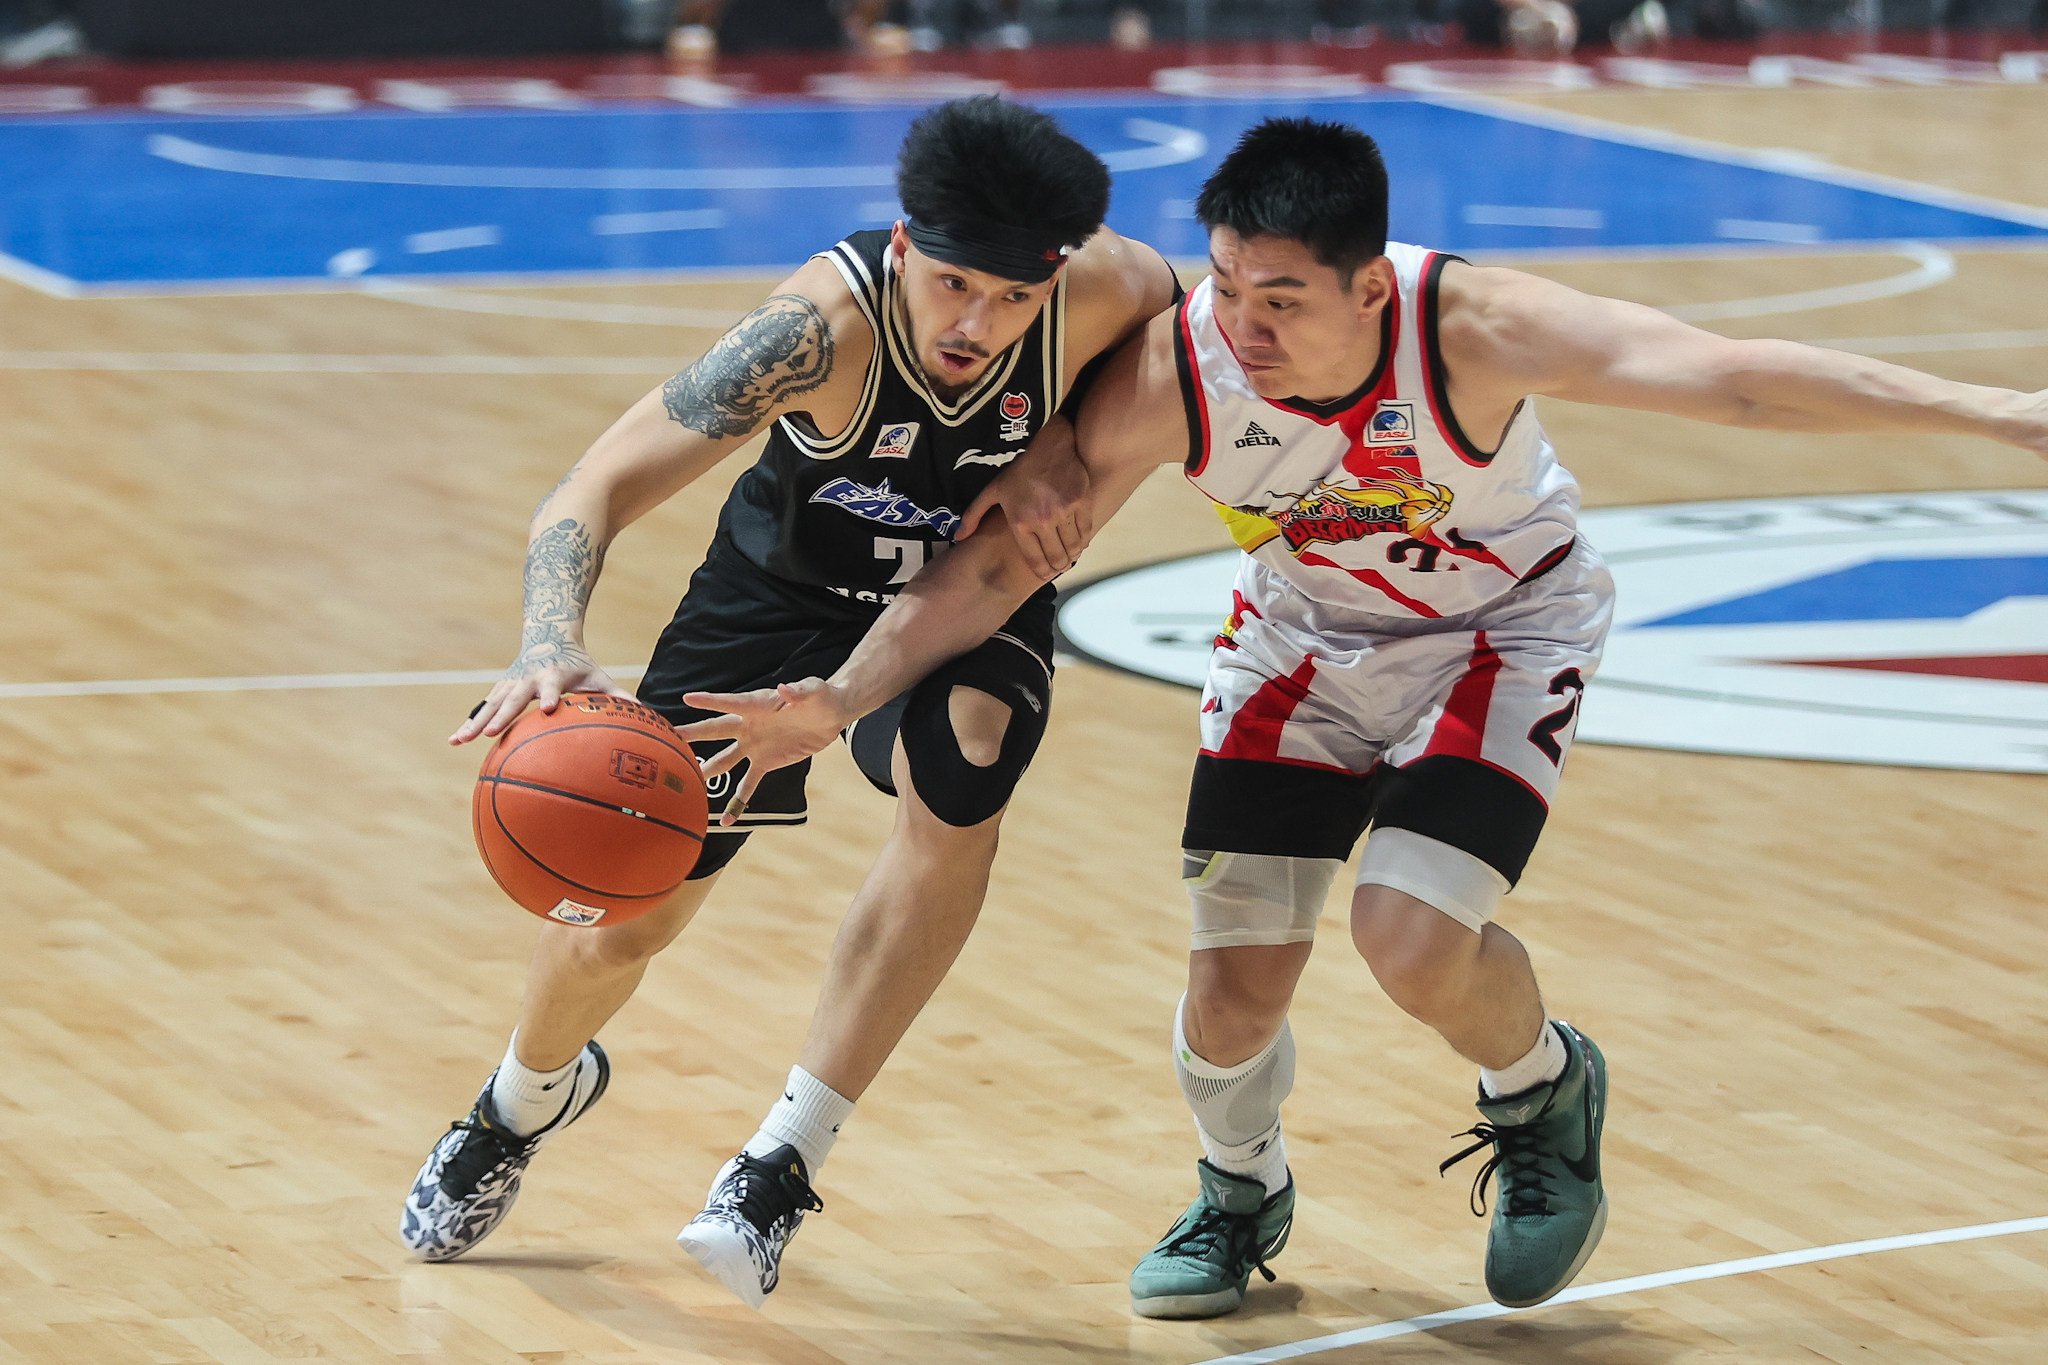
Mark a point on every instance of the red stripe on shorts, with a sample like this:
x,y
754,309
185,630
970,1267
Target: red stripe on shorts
x,y
1255,729
1461,732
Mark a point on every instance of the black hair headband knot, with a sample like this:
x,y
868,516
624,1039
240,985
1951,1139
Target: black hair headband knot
x,y
993,248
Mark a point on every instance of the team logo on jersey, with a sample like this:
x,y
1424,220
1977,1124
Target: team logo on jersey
x,y
1256,435
1016,411
1393,424
994,458
884,505
895,442
1909,629
1332,513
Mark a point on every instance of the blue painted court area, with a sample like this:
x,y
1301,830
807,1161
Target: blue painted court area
x,y
106,201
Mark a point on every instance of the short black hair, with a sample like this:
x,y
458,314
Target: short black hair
x,y
1321,184
986,160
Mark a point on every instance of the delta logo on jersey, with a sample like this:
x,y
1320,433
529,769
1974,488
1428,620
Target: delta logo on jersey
x,y
1907,629
1332,513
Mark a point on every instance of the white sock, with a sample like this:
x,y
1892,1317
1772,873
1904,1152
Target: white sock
x,y
1263,1159
807,1117
1543,1062
526,1100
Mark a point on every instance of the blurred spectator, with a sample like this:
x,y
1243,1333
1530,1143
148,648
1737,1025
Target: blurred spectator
x,y
34,31
1541,28
705,27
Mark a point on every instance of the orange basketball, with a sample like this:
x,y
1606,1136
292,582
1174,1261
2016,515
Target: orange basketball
x,y
591,814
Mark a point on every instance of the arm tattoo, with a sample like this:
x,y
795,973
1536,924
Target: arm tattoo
x,y
781,349
560,484
561,568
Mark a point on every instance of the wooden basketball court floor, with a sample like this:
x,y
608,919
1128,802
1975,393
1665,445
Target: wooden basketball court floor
x,y
250,966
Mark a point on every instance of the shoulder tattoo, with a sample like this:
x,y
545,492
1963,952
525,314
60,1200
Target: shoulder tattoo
x,y
781,349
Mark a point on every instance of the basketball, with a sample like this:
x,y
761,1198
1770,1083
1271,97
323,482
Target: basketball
x,y
591,814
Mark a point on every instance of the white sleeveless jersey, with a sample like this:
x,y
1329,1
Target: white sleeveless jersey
x,y
1377,502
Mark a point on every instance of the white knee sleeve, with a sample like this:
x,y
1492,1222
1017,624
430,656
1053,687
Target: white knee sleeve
x,y
1254,898
1462,886
1234,1104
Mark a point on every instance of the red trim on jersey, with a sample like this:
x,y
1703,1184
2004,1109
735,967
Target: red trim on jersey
x,y
1548,562
1461,730
1191,378
1372,579
1255,728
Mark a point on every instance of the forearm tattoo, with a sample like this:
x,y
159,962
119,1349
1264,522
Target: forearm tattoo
x,y
561,568
781,349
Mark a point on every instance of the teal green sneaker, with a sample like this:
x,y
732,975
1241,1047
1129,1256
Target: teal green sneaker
x,y
1550,1207
1201,1267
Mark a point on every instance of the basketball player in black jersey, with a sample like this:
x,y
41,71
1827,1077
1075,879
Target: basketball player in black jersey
x,y
895,375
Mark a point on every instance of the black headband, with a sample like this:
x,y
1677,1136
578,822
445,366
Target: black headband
x,y
992,248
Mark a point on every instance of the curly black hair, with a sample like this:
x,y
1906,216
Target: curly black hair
x,y
986,160
1321,184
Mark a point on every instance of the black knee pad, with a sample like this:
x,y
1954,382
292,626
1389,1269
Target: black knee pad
x,y
959,792
718,850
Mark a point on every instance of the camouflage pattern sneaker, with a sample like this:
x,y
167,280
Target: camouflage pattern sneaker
x,y
755,1206
471,1178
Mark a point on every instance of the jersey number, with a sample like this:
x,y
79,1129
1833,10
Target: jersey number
x,y
909,556
1543,734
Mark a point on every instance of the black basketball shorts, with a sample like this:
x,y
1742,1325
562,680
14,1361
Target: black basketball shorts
x,y
737,629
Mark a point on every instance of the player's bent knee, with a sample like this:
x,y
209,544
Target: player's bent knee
x,y
1254,899
1237,999
966,775
979,723
1449,880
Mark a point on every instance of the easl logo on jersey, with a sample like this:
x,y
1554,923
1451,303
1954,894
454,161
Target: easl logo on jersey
x,y
1907,629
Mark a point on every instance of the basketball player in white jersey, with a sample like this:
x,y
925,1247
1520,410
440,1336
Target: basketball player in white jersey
x,y
1415,620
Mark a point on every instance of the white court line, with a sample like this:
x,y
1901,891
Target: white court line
x,y
1701,150
1518,215
199,362
1764,230
36,278
1168,145
1428,1322
668,220
1932,266
561,310
1934,342
453,239
282,682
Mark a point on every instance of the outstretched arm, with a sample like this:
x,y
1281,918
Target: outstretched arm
x,y
1131,422
1544,338
772,360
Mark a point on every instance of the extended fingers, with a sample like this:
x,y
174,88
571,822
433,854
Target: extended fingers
x,y
713,727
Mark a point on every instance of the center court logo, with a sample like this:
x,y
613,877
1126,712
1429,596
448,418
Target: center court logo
x,y
1907,629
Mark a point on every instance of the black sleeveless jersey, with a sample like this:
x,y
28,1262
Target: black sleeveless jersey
x,y
859,514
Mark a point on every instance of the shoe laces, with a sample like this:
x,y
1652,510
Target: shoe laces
x,y
1518,1154
763,1193
482,1150
1236,1235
